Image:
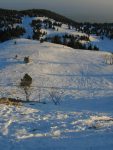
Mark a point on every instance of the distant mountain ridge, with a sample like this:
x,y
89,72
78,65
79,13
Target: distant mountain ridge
x,y
40,12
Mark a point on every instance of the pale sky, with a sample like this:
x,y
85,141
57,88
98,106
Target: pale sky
x,y
79,10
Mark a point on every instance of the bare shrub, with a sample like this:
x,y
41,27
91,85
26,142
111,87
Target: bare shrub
x,y
10,101
108,59
16,56
55,95
27,59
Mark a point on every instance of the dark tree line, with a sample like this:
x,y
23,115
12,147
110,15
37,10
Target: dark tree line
x,y
99,29
10,33
72,41
46,24
49,14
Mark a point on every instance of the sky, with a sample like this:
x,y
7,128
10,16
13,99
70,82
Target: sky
x,y
79,10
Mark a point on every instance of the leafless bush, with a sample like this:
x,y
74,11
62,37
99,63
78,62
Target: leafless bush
x,y
55,95
108,59
27,59
39,94
10,101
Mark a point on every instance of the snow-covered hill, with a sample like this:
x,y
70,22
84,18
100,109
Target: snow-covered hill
x,y
84,118
33,25
103,44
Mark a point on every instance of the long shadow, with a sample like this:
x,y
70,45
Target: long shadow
x,y
80,75
55,62
5,63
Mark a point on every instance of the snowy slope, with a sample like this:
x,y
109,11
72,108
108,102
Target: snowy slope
x,y
84,117
103,45
26,23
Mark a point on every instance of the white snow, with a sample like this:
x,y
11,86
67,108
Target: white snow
x,y
84,117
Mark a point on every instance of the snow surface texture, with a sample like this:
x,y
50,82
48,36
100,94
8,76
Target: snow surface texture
x,y
84,118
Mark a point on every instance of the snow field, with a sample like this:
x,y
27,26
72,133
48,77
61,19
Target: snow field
x,y
84,117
